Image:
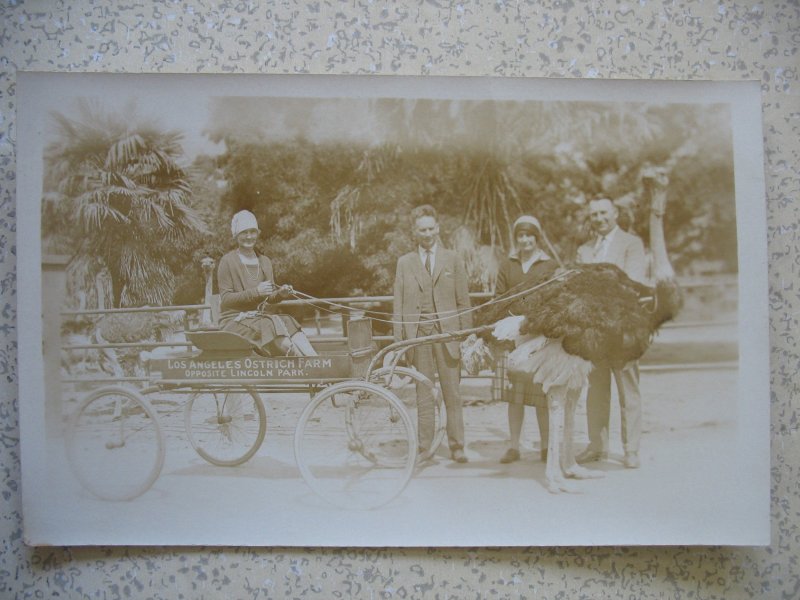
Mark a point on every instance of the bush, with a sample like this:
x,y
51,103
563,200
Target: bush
x,y
137,327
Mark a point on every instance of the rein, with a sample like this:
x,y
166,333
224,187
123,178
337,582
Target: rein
x,y
448,314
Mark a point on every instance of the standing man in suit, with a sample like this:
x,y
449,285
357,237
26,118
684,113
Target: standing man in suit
x,y
430,296
610,244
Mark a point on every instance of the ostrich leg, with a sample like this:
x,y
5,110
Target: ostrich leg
x,y
554,478
570,468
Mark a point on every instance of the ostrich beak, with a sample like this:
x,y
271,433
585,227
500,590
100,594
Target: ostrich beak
x,y
658,204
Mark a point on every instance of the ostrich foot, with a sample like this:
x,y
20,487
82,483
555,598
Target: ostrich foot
x,y
556,485
578,472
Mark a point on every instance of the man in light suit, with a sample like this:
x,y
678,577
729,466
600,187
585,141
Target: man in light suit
x,y
430,296
610,244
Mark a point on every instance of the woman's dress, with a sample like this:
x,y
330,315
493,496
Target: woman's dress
x,y
240,300
522,389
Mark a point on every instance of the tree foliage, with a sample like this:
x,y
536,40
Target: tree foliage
x,y
332,183
118,198
330,210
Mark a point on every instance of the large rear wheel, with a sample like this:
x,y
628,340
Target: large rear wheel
x,y
355,445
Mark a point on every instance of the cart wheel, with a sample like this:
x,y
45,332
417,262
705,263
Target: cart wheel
x,y
403,383
355,445
225,428
114,444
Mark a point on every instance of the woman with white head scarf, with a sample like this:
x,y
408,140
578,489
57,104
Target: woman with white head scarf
x,y
527,264
245,280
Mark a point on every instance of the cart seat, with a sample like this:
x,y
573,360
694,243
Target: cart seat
x,y
211,340
220,341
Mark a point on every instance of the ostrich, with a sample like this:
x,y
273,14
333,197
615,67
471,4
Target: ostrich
x,y
593,314
207,264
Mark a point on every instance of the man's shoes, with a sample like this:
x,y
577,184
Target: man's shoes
x,y
631,460
423,462
511,455
459,456
590,455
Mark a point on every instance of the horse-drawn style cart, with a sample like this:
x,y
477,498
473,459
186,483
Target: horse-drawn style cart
x,y
355,440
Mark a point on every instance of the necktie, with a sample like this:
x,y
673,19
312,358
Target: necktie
x,y
599,250
428,262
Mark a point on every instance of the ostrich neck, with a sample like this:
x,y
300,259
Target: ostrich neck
x,y
209,290
662,269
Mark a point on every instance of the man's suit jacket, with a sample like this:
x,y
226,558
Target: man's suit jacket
x,y
450,295
625,250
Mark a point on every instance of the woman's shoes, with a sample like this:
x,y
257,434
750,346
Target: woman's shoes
x,y
589,454
631,460
511,455
458,456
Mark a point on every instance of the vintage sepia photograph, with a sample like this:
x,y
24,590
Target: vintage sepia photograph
x,y
391,311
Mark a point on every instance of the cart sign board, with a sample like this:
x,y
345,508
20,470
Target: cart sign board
x,y
255,368
140,427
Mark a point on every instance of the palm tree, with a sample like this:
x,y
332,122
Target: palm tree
x,y
358,203
493,199
125,199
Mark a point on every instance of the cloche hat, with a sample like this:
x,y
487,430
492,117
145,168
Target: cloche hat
x,y
527,220
242,221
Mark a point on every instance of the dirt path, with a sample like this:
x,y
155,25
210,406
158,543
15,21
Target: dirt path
x,y
686,489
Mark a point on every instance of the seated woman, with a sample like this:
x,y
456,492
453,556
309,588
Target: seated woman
x,y
530,265
245,280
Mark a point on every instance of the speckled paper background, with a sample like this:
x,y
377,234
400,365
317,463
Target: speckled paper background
x,y
604,39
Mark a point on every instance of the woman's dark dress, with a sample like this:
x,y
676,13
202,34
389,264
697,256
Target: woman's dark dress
x,y
523,389
239,298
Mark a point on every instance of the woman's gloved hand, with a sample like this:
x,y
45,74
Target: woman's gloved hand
x,y
285,291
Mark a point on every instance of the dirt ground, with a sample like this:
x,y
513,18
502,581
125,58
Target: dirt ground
x,y
692,486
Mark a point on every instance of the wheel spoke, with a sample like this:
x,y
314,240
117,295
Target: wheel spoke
x,y
404,383
225,428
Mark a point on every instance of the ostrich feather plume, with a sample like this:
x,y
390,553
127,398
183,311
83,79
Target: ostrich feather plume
x,y
475,355
546,361
508,329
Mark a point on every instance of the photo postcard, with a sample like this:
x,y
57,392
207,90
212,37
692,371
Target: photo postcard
x,y
391,311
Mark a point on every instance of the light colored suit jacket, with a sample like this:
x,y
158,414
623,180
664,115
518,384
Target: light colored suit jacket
x,y
625,250
450,295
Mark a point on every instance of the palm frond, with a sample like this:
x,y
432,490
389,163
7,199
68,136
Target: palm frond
x,y
93,215
124,150
129,193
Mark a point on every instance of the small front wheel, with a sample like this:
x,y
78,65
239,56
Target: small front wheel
x,y
355,445
114,444
225,428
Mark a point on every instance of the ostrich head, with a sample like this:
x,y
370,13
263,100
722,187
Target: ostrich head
x,y
207,264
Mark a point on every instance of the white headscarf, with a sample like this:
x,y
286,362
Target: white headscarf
x,y
530,222
242,221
